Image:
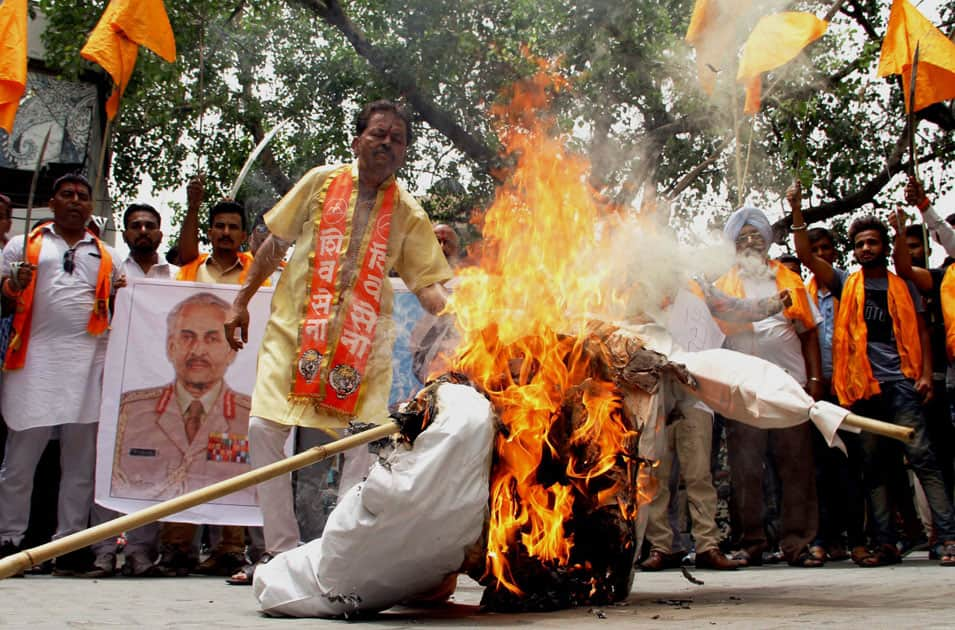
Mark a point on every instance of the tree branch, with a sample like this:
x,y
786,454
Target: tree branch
x,y
403,81
866,194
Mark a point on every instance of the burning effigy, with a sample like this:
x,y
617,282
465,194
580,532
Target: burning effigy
x,y
528,465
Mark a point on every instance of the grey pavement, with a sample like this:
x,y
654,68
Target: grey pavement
x,y
915,594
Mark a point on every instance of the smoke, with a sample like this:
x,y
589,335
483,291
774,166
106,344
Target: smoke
x,y
645,265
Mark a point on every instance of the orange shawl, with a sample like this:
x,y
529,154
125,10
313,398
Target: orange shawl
x,y
851,373
947,291
190,270
732,284
23,318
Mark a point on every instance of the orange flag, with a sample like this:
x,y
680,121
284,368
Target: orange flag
x,y
114,43
775,41
935,79
13,59
712,33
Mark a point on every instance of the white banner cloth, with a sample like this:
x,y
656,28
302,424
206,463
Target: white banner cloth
x,y
402,531
144,454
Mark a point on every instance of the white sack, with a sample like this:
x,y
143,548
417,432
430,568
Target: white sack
x,y
402,531
759,393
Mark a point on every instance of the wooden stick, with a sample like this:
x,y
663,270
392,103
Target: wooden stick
x,y
14,564
887,429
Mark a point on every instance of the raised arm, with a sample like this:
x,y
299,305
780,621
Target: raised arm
x,y
189,233
940,229
825,274
267,260
921,278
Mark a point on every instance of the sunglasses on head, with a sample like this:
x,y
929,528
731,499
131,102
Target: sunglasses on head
x,y
69,263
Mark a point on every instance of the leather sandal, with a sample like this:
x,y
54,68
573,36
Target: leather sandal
x,y
243,577
882,556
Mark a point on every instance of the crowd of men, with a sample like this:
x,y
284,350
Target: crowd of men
x,y
873,341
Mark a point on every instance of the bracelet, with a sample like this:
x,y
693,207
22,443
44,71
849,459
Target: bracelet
x,y
796,228
925,203
815,378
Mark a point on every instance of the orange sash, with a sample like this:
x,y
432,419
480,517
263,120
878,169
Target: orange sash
x,y
851,373
732,284
947,291
23,318
339,327
189,271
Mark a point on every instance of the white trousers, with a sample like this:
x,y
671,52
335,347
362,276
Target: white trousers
x,y
77,465
267,445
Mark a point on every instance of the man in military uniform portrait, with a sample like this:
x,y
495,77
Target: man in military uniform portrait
x,y
192,432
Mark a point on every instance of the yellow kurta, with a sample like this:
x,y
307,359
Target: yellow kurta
x,y
413,252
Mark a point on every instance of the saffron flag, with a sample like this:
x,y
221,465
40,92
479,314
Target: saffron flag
x,y
712,33
13,59
775,41
114,43
935,80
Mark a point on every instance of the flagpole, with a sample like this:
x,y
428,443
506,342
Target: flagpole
x,y
911,120
99,187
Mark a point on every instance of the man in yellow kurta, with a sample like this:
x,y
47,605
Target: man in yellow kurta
x,y
325,358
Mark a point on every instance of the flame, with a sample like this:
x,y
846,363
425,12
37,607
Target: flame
x,y
522,315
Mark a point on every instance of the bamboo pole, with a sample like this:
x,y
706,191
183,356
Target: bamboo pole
x,y
11,565
886,429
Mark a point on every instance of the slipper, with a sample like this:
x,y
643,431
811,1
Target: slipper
x,y
946,554
243,577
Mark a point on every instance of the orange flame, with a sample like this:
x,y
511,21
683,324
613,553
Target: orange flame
x,y
522,315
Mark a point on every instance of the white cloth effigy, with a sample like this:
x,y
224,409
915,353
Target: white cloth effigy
x,y
402,531
759,393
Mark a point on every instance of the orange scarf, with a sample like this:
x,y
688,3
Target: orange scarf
x,y
947,291
338,331
732,284
189,271
23,318
851,373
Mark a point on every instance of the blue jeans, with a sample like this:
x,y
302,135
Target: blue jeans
x,y
900,404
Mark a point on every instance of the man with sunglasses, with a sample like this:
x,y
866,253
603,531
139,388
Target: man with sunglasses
x,y
62,281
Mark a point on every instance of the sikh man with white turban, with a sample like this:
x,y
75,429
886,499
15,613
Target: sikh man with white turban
x,y
788,339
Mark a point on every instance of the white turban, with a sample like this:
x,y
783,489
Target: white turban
x,y
748,216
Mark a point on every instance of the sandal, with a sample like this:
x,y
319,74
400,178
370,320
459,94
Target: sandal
x,y
818,552
859,554
837,553
946,553
243,577
881,556
807,559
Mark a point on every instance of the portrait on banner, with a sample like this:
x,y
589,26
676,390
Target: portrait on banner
x,y
176,402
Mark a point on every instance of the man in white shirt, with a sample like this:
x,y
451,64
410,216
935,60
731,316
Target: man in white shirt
x,y
142,231
62,279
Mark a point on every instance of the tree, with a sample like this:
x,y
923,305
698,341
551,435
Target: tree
x,y
633,105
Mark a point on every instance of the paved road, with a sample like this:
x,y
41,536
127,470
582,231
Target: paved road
x,y
917,593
